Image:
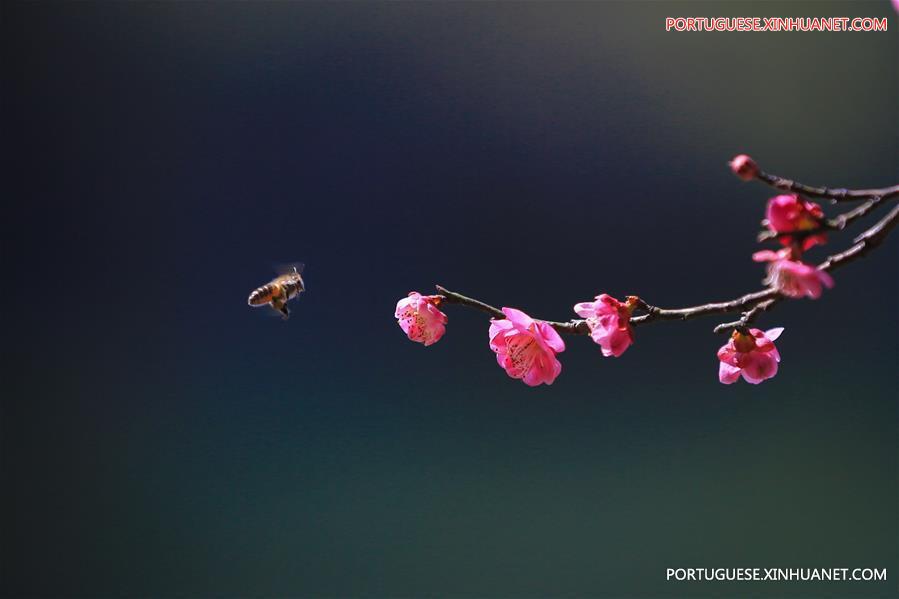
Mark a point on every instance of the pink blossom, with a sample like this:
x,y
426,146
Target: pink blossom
x,y
793,278
790,213
753,355
526,348
609,322
744,167
420,318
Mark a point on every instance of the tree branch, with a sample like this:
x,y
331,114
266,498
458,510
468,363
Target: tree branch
x,y
834,195
757,301
864,243
725,307
572,327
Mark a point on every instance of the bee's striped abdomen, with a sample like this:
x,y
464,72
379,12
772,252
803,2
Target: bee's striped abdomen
x,y
264,295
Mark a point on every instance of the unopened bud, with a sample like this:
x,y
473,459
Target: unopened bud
x,y
744,167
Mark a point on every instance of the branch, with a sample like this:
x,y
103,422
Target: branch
x,y
757,301
726,307
864,243
572,327
834,195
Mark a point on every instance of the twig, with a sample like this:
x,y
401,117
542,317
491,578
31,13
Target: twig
x,y
835,195
748,316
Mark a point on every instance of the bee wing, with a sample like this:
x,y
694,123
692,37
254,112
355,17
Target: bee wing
x,y
287,268
271,312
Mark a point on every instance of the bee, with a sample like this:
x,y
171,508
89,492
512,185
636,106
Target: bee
x,y
280,290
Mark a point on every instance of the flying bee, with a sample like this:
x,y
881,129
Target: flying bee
x,y
280,290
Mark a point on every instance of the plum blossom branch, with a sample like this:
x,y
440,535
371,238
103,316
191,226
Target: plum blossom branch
x,y
572,327
653,313
758,301
527,347
864,243
834,195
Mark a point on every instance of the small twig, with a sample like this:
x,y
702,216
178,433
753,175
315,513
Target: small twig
x,y
747,317
839,222
835,195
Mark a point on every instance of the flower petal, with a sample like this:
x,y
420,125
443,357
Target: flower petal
x,y
518,318
728,374
585,309
774,333
551,337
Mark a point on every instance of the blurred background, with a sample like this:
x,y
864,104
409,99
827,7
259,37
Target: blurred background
x,y
160,438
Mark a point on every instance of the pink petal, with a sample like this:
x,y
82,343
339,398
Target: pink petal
x,y
728,353
619,341
774,333
518,318
758,367
498,326
728,374
585,309
765,256
551,337
813,288
401,307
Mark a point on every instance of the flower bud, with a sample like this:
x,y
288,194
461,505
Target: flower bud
x,y
744,167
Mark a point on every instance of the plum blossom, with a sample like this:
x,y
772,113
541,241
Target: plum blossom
x,y
420,318
790,213
744,167
793,278
609,322
752,355
526,348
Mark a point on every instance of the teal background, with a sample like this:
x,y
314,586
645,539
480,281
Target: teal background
x,y
159,438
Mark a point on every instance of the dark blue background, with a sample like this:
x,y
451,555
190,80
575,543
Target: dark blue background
x,y
160,438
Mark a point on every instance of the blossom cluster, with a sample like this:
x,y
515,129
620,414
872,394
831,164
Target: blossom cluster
x,y
528,349
799,225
